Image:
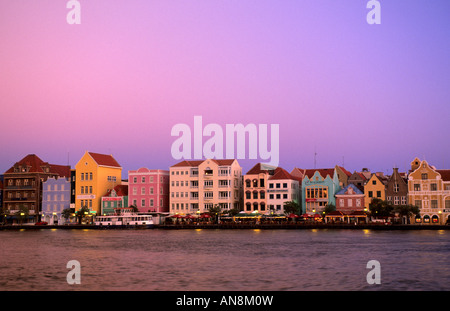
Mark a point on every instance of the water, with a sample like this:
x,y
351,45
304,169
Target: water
x,y
224,260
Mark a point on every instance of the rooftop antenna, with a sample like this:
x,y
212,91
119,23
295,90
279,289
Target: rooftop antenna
x,y
315,154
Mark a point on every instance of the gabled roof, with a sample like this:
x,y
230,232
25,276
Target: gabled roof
x,y
61,170
121,191
281,173
104,159
261,168
345,190
322,171
345,171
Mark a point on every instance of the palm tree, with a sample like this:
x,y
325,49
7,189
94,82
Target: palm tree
x,y
291,207
81,213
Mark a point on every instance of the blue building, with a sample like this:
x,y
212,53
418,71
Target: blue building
x,y
55,198
319,187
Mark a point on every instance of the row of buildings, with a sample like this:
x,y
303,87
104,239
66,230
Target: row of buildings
x,y
39,191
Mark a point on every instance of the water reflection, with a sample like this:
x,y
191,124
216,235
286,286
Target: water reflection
x,y
224,259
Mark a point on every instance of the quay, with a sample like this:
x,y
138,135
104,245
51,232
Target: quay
x,y
262,226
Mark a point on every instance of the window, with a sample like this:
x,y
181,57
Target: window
x,y
255,195
370,194
151,202
350,202
255,183
90,176
278,185
134,180
284,185
396,187
271,186
143,190
285,196
374,182
143,179
248,195
424,176
378,194
416,187
208,195
418,203
208,183
358,202
434,203
143,203
151,190
433,187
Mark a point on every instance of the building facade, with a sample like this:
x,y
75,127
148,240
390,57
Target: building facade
x,y
319,187
350,199
115,198
22,193
149,190
255,188
397,189
95,174
375,187
282,187
197,186
55,199
429,189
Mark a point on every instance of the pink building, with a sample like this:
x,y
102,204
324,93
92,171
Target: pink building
x,y
148,190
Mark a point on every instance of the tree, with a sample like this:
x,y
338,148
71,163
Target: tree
x,y
66,213
291,207
406,211
232,212
380,208
134,207
329,208
215,211
81,213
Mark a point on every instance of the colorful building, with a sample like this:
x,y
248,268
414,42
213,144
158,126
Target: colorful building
x,y
55,199
255,188
397,188
429,189
282,187
375,187
115,198
149,190
22,193
197,186
95,174
318,189
350,199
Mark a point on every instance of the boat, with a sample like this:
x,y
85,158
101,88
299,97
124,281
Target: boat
x,y
125,218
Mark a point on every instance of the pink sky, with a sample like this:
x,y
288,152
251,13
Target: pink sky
x,y
371,95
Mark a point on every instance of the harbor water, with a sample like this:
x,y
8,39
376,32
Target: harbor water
x,y
224,260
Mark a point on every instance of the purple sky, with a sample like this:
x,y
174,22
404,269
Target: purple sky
x,y
373,96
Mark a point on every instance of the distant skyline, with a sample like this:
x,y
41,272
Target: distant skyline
x,y
373,96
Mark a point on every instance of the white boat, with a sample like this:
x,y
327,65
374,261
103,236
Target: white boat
x,y
125,218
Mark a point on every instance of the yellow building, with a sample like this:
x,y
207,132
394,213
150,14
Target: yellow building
x,y
374,188
95,174
429,189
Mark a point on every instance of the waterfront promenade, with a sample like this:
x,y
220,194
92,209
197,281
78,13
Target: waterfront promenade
x,y
262,226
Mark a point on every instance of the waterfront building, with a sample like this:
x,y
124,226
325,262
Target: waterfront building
x,y
95,174
282,187
149,189
350,199
429,189
255,188
55,199
343,175
358,179
22,193
319,187
114,198
375,187
397,189
197,186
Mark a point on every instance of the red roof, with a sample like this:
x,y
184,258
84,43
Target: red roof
x,y
345,171
36,165
322,171
281,173
260,169
445,174
104,159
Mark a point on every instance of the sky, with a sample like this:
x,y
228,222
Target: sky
x,y
342,91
